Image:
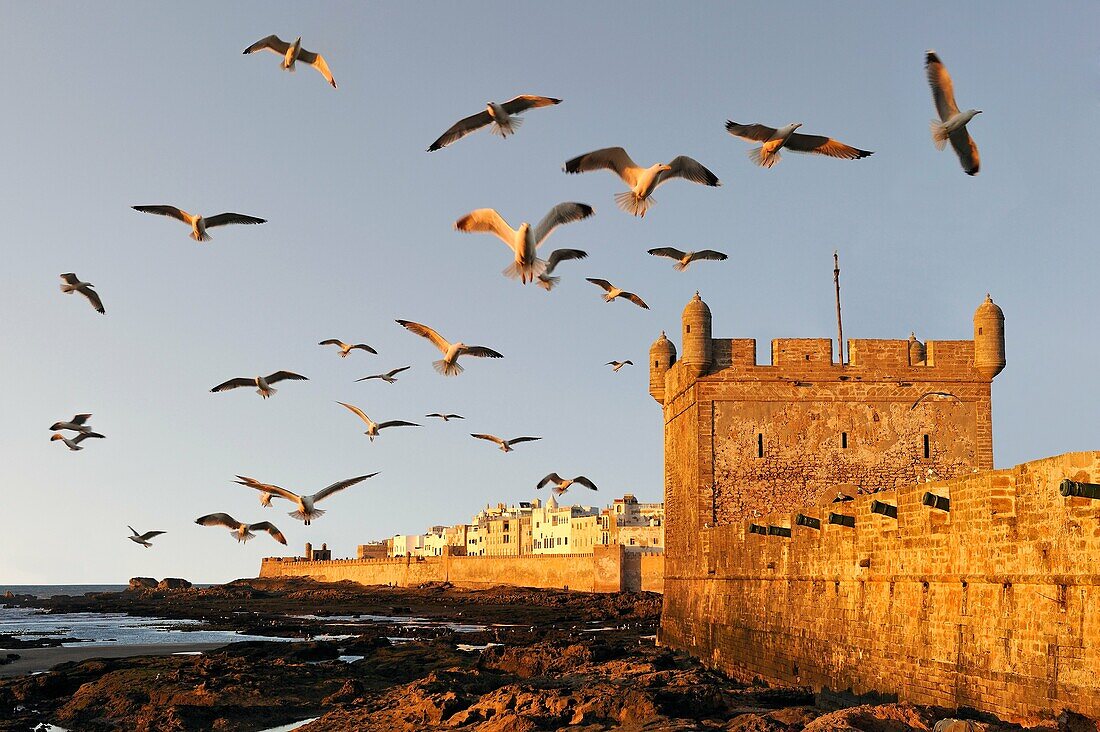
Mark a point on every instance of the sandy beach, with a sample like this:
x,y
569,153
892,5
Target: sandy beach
x,y
43,659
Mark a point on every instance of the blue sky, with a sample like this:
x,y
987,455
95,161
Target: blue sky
x,y
108,106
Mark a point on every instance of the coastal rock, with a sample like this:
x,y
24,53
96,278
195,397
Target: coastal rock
x,y
173,583
880,718
142,583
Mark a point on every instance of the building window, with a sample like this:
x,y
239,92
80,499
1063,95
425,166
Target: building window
x,y
844,440
631,542
760,445
979,331
927,447
687,328
567,541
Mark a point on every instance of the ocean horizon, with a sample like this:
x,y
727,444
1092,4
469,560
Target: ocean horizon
x,y
76,590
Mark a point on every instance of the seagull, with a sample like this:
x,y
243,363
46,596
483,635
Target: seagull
x,y
445,417
143,539
73,284
501,116
448,365
686,258
306,511
642,181
561,485
346,348
952,123
505,445
199,224
616,365
524,241
74,442
387,377
928,394
262,383
614,292
767,154
292,52
547,282
78,424
374,427
242,531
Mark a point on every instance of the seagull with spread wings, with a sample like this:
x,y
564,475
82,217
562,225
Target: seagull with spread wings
x,y
262,383
545,280
374,427
241,531
505,445
448,365
774,139
307,510
525,240
291,53
642,181
683,259
930,394
445,417
143,539
561,485
616,365
952,123
79,423
346,348
614,292
73,443
73,284
387,377
199,224
502,117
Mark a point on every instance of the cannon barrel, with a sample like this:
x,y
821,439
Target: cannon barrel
x,y
779,531
884,509
841,519
757,529
1075,489
940,503
808,521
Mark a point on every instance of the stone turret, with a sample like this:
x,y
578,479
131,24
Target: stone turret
x,y
989,339
917,352
662,354
696,336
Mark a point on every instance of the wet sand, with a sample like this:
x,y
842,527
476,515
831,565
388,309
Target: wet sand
x,y
43,659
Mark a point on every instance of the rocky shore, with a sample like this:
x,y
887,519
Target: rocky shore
x,y
433,658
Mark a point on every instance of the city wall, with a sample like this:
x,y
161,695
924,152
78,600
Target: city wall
x,y
608,569
989,605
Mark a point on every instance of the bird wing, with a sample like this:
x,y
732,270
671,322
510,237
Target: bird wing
x,y
628,362
551,478
93,298
635,299
754,132
317,61
396,423
670,252
480,352
689,169
269,528
70,278
943,91
363,347
271,43
284,376
561,255
148,534
563,213
434,414
332,342
527,101
80,418
233,384
821,145
164,211
85,436
460,129
607,286
231,218
426,332
966,149
581,480
218,519
490,438
455,416
710,254
340,485
131,528
368,378
362,415
268,488
487,219
394,372
608,158
516,440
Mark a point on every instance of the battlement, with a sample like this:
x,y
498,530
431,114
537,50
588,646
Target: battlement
x,y
869,356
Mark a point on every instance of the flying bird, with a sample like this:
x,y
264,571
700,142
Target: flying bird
x,y
614,292
374,427
774,139
73,284
199,224
501,116
561,485
448,365
505,445
306,504
683,259
262,383
952,123
930,394
79,423
73,443
242,531
525,240
546,281
642,181
143,539
291,53
387,377
616,365
445,417
346,348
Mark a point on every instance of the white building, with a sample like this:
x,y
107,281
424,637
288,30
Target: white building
x,y
407,545
434,541
563,529
475,545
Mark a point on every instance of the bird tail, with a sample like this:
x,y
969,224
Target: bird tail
x,y
548,282
68,289
265,394
763,158
75,447
508,127
939,133
525,272
559,490
317,513
632,204
200,237
447,369
680,266
242,539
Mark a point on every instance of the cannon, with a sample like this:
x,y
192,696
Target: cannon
x,y
840,519
884,509
757,529
1075,489
779,531
808,521
940,503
